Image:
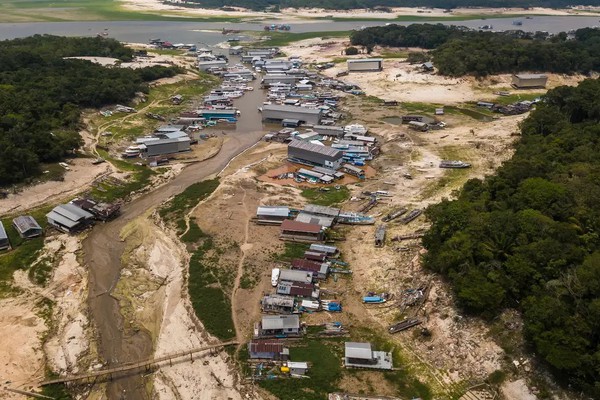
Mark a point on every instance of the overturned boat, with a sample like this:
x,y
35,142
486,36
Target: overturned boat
x,y
454,164
353,218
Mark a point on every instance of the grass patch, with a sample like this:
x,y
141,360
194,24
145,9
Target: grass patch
x,y
176,208
139,179
479,114
285,38
292,251
325,371
414,107
206,290
194,233
516,97
329,197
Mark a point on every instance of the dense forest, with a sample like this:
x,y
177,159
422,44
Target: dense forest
x,y
42,94
353,4
458,51
529,236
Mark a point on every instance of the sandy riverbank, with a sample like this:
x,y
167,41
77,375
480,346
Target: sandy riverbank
x,y
303,14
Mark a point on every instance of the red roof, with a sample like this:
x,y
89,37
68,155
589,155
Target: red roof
x,y
314,255
265,346
306,265
295,226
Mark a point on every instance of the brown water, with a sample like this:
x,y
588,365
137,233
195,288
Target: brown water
x,y
103,250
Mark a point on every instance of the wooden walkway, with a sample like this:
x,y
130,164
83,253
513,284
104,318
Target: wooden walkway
x,y
153,362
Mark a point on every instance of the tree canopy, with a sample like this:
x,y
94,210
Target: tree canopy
x,y
458,51
529,236
42,94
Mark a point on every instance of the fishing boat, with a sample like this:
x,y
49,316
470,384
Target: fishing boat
x,y
454,164
353,218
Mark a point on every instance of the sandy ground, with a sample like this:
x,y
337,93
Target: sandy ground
x,y
153,296
402,81
304,14
33,336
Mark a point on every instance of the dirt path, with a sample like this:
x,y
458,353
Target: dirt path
x,y
240,270
103,249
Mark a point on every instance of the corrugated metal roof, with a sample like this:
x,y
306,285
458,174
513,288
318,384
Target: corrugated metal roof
x,y
323,248
273,211
270,322
364,60
295,109
308,218
265,346
323,210
3,234
297,364
306,265
358,350
72,212
296,276
54,216
275,300
325,150
530,76
24,223
295,226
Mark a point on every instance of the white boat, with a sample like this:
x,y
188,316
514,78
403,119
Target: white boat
x,y
275,276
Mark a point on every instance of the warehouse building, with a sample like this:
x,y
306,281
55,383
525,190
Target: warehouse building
x,y
161,147
206,65
319,269
528,81
270,79
300,231
298,289
278,325
4,241
296,276
325,222
314,154
27,227
69,218
276,112
365,64
328,130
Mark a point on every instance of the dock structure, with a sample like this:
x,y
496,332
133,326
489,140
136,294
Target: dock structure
x,y
130,367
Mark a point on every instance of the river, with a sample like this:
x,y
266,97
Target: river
x,y
207,32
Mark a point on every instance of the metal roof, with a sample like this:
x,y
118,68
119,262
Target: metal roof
x,y
296,289
24,223
363,60
273,211
167,141
295,109
309,265
265,346
296,276
271,322
276,300
530,76
315,148
72,212
297,364
295,226
323,248
3,234
309,218
64,221
358,350
323,210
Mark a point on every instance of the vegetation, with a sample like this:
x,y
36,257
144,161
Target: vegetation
x,y
285,38
43,93
206,288
292,250
176,208
351,51
376,4
324,373
326,196
529,237
459,51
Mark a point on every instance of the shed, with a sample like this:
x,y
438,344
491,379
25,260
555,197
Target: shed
x,y
276,112
271,349
4,241
314,155
69,218
235,50
27,226
365,64
326,130
419,126
319,269
315,256
527,81
427,66
352,170
297,368
300,231
296,276
279,325
298,289
272,214
290,123
206,65
360,355
325,222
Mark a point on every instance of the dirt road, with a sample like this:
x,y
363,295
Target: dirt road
x,y
103,250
